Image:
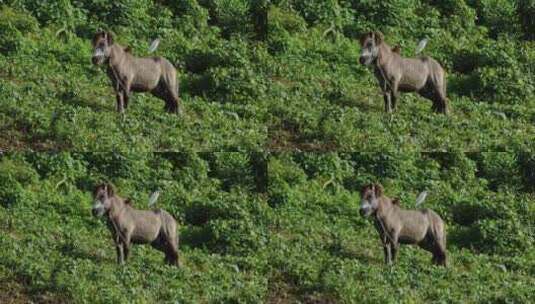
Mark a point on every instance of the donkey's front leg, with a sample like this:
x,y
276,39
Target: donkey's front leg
x,y
388,253
394,94
126,93
120,101
388,105
394,245
125,99
120,253
126,245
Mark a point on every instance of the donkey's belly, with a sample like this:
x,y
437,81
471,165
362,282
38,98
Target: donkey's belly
x,y
411,83
145,85
407,88
404,239
145,232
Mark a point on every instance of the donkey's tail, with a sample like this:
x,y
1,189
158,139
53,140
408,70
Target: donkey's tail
x,y
421,198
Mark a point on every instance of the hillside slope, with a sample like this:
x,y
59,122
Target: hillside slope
x,y
326,100
302,241
53,98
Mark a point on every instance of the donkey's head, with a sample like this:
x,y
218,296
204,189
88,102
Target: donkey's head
x,y
102,199
369,47
369,198
102,42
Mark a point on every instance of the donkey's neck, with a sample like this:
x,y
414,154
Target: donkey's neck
x,y
384,55
385,207
118,207
117,55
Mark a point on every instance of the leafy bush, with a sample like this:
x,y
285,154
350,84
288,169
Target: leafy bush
x,y
47,67
303,240
315,43
13,26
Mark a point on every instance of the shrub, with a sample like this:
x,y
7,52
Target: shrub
x,y
14,25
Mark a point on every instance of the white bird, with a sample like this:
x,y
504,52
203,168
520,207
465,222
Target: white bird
x,y
154,197
421,198
421,45
154,45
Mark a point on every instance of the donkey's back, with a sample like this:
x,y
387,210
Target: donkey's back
x,y
149,72
150,224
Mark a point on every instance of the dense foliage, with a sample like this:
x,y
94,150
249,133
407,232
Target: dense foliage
x,y
302,240
52,97
276,74
266,224
56,251
324,99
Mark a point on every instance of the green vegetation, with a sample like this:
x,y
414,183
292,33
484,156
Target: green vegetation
x,y
55,250
269,223
325,100
52,97
328,253
291,82
301,241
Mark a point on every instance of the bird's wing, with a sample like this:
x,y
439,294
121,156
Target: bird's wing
x,y
154,45
153,198
421,198
421,46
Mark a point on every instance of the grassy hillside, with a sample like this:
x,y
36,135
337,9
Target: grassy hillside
x,y
329,253
301,241
54,250
326,100
292,82
52,97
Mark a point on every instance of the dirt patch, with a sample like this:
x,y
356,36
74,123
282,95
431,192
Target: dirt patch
x,y
15,292
287,136
12,292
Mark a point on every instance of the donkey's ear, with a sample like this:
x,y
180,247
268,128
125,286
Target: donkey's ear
x,y
378,189
109,38
379,37
364,36
109,189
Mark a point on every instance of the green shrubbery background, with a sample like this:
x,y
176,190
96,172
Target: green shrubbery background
x,y
486,48
289,82
55,249
267,227
277,228
53,98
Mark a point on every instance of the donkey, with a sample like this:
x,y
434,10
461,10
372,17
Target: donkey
x,y
136,74
131,226
422,227
395,74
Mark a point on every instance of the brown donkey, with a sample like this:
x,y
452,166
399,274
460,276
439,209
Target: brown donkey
x,y
131,226
423,75
397,226
136,74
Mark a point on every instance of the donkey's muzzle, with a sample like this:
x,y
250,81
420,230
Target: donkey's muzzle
x,y
98,211
96,60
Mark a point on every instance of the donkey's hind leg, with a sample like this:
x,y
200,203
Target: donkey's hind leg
x,y
429,93
172,98
440,104
439,93
172,103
